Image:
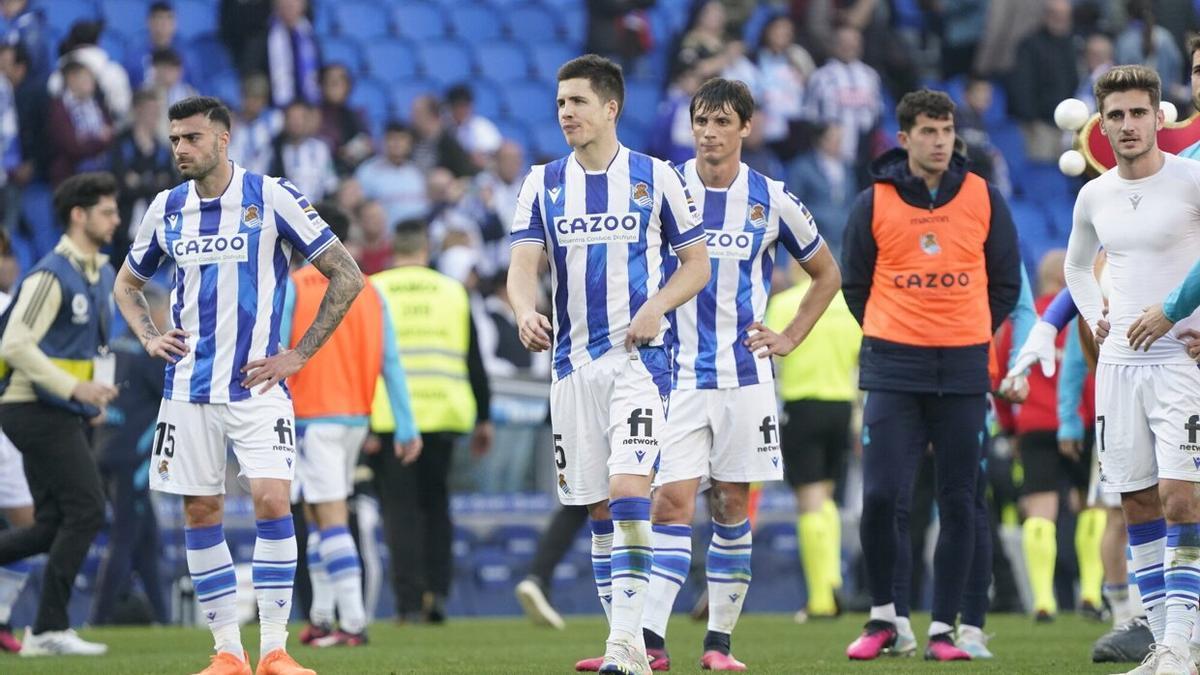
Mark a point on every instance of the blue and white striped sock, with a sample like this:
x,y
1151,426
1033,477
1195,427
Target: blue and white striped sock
x,y
345,573
631,560
215,584
672,560
12,580
1147,544
1135,596
274,568
602,543
728,570
1182,581
320,612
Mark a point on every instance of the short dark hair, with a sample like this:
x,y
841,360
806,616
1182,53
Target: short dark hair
x,y
604,76
143,96
397,127
1193,47
928,102
83,190
409,236
1128,78
718,92
159,6
335,218
71,67
459,93
209,106
166,56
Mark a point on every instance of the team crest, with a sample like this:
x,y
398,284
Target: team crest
x,y
758,215
641,195
251,217
162,470
929,244
562,484
79,308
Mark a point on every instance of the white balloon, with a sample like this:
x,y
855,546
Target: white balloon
x,y
1170,112
1071,114
1072,163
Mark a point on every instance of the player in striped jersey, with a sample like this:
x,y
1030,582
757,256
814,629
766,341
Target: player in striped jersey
x,y
606,218
724,415
231,234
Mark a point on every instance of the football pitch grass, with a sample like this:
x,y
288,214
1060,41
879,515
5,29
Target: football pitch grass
x,y
767,643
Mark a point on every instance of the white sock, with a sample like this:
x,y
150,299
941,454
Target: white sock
x,y
345,573
632,556
672,560
1182,581
903,625
215,584
884,613
274,568
1117,597
321,612
602,543
12,580
1148,542
940,628
728,569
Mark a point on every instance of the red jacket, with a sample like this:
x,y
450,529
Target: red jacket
x,y
1039,412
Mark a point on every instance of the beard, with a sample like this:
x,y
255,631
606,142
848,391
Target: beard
x,y
201,166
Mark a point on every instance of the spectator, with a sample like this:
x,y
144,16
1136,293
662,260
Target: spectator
x,y
1097,60
375,237
10,144
300,156
475,133
434,145
738,66
619,29
293,59
255,126
1006,26
349,197
79,128
342,128
495,195
757,156
143,166
1045,73
448,213
985,159
825,182
846,91
670,136
166,81
393,179
703,46
737,13
32,104
960,25
27,28
161,31
1143,42
244,32
784,67
112,83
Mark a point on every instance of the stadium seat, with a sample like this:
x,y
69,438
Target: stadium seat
x,y
548,142
127,15
361,21
404,93
38,211
641,101
226,86
113,42
519,541
502,62
530,102
419,21
446,62
548,56
343,51
530,22
514,130
390,60
752,30
476,23
632,133
62,14
1031,221
209,56
371,96
487,98
194,18
557,6
574,25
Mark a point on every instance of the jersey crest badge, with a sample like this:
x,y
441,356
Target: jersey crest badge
x,y
251,217
758,215
641,195
929,244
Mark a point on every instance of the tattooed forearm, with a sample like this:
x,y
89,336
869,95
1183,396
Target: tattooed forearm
x,y
345,282
134,307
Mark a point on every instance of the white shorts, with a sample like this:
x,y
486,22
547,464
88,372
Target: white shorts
x,y
608,419
188,450
1096,496
1147,425
729,435
325,465
14,491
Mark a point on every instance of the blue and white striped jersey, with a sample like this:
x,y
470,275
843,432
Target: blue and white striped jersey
x,y
231,255
607,235
743,223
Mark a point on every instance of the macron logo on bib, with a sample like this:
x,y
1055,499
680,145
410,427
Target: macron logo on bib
x,y
218,248
598,228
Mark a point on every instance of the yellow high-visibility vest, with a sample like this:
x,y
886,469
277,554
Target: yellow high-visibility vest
x,y
823,366
432,318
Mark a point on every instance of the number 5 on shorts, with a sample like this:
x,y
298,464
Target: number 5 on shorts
x,y
560,455
164,439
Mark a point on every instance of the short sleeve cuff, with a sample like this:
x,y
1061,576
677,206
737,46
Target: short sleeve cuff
x,y
528,236
807,252
139,270
319,245
689,238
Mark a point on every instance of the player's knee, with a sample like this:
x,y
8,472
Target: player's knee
x,y
672,505
202,511
730,503
879,500
272,504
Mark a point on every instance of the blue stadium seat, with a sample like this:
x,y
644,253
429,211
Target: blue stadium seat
x,y
752,30
504,5
514,130
371,96
519,541
574,25
487,98
1031,221
463,544
127,15
113,42
446,62
390,60
477,23
632,133
209,56
38,210
548,142
502,62
530,22
62,14
530,102
343,51
194,18
419,21
557,5
548,56
641,101
361,21
404,93
226,86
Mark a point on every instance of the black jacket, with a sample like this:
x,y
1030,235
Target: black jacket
x,y
890,366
